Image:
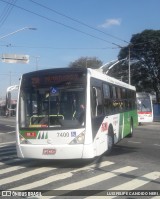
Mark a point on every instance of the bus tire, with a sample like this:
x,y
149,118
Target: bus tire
x,y
131,129
110,141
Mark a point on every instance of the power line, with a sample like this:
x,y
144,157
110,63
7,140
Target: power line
x,y
60,23
6,12
57,48
78,21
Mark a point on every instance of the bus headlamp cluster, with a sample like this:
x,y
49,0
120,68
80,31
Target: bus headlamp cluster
x,y
23,140
79,139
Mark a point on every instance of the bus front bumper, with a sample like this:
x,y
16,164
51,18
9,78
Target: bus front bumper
x,y
51,152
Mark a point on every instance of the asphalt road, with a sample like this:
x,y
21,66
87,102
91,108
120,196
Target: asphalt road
x,y
133,165
7,129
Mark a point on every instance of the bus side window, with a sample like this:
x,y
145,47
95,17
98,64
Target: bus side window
x,y
123,95
114,99
107,99
96,102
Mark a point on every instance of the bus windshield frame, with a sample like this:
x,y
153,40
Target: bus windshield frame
x,y
54,101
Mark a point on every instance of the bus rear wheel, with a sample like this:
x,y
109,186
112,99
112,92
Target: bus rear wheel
x,y
110,141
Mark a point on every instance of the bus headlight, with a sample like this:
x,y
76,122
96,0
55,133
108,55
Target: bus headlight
x,y
23,140
79,139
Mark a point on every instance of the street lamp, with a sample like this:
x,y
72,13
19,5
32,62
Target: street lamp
x,y
21,29
14,58
11,33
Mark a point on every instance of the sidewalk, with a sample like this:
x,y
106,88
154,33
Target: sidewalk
x,y
156,122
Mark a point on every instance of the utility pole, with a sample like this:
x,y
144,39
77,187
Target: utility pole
x,y
129,66
36,61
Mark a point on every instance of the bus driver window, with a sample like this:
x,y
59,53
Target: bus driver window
x,y
96,101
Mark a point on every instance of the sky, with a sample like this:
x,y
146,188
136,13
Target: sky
x,y
54,33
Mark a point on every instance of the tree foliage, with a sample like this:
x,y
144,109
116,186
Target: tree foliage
x,y
86,62
144,51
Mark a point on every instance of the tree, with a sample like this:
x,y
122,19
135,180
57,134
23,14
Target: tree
x,y
86,62
144,51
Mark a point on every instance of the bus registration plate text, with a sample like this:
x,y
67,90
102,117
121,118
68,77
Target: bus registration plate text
x,y
49,151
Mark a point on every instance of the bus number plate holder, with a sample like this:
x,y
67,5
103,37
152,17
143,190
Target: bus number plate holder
x,y
49,151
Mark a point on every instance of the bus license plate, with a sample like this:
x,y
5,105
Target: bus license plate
x,y
49,151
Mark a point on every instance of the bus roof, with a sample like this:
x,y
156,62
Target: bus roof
x,y
54,70
99,75
92,72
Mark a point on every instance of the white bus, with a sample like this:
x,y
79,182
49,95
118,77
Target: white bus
x,y
11,100
71,113
144,107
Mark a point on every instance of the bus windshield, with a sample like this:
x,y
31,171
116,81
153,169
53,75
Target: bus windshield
x,y
144,105
55,105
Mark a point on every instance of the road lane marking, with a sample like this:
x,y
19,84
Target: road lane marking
x,y
61,176
7,152
156,144
10,126
6,143
134,184
11,161
14,168
97,179
138,182
135,142
8,132
25,175
8,157
6,148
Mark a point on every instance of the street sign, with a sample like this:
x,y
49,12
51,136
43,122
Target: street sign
x,y
14,58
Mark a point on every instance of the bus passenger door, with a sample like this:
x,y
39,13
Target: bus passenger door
x,y
97,120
